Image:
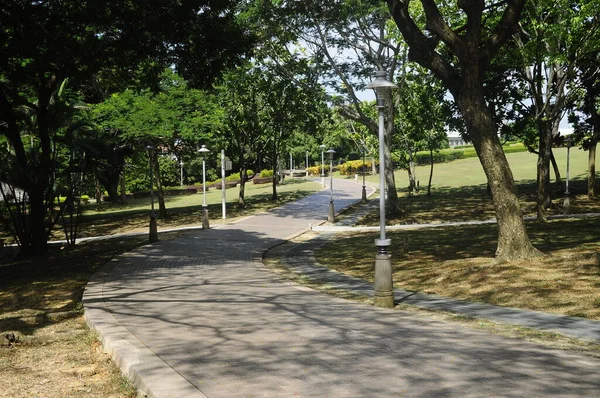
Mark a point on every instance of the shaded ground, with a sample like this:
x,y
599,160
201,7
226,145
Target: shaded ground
x,y
458,262
50,351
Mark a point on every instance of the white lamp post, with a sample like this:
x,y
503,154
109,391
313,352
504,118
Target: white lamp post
x,y
364,186
331,215
153,229
306,166
203,151
384,289
322,146
181,170
567,200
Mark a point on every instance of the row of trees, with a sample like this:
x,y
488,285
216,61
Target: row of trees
x,y
89,87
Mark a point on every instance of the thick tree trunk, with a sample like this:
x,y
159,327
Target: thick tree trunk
x,y
111,186
513,241
123,192
591,180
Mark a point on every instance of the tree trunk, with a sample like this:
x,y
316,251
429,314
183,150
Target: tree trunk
x,y
98,195
275,176
513,241
592,167
123,192
430,172
162,209
393,203
557,177
410,181
241,201
37,221
543,171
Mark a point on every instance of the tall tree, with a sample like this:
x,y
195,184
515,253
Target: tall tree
x,y
344,42
585,113
554,36
243,99
459,53
45,43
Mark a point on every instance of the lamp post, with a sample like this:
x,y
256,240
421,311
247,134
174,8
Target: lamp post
x,y
306,165
364,187
203,151
153,229
384,289
567,200
181,170
322,146
331,215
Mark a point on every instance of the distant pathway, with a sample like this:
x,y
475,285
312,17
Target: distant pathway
x,y
196,317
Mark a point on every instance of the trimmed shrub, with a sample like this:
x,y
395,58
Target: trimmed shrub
x,y
422,158
314,170
354,166
266,173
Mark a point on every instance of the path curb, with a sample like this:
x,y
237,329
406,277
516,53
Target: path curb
x,y
152,376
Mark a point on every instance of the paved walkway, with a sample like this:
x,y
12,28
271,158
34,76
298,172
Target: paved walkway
x,y
200,317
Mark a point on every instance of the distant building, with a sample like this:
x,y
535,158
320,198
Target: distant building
x,y
454,139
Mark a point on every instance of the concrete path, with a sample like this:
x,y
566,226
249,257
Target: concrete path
x,y
199,317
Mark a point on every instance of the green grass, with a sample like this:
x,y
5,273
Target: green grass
x,y
468,172
187,210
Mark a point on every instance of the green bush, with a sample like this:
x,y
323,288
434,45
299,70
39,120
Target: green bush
x,y
266,173
463,146
460,152
423,158
236,176
519,147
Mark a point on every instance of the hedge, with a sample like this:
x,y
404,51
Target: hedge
x,y
447,155
354,166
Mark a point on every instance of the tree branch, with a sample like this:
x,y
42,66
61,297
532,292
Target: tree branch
x,y
506,28
424,54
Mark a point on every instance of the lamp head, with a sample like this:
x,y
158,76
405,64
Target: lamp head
x,y
203,150
381,85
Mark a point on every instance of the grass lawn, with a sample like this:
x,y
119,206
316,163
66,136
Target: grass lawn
x,y
187,210
46,350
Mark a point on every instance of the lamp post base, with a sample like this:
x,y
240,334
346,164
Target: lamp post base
x,y
323,179
566,204
384,289
153,235
205,217
331,215
364,194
